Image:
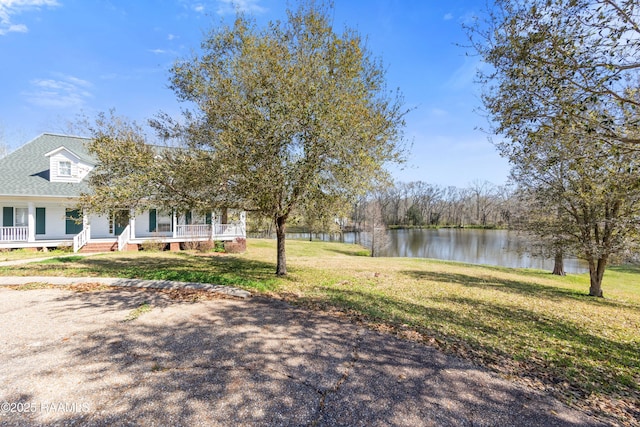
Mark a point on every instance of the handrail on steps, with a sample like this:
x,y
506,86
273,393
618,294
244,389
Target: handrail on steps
x,y
123,239
80,239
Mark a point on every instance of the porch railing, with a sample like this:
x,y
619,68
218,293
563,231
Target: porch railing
x,y
80,239
123,238
204,230
193,230
14,234
236,230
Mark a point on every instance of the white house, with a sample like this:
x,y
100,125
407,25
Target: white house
x,y
40,184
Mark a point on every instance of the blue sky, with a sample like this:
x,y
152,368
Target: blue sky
x,y
64,57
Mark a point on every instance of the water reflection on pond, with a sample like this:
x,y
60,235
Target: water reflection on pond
x,y
491,247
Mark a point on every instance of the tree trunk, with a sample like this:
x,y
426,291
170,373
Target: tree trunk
x,y
596,272
373,241
558,264
281,269
224,218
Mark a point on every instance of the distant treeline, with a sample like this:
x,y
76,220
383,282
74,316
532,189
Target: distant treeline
x,y
414,204
420,204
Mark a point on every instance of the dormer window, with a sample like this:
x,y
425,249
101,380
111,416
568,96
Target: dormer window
x,y
64,168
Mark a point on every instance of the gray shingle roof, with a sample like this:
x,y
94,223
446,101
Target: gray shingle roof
x,y
25,172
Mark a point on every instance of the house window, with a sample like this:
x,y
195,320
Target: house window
x,y
165,221
64,169
22,217
198,218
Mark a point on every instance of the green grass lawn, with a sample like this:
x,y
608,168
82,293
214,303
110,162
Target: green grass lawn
x,y
525,324
16,254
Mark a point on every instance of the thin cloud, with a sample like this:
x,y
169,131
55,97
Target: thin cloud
x,y
13,28
464,76
223,7
448,17
438,112
469,18
162,51
227,7
62,92
11,8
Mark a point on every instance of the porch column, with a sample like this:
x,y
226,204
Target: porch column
x,y
213,225
31,222
174,222
243,223
132,224
85,224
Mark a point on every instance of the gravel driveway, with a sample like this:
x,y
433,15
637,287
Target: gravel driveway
x,y
69,358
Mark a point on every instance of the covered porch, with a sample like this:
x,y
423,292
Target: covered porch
x,y
123,229
173,228
24,224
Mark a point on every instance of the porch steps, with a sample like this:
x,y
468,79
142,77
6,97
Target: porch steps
x,y
99,247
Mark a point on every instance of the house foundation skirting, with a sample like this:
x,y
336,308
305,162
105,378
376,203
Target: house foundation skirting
x,y
132,244
37,244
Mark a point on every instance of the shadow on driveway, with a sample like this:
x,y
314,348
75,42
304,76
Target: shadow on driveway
x,y
231,362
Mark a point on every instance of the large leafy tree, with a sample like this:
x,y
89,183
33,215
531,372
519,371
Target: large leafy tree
x,y
575,58
585,203
126,176
562,89
133,174
293,115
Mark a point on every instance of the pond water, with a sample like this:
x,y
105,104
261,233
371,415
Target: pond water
x,y
490,247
